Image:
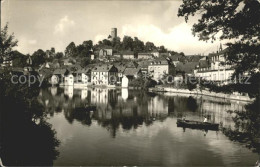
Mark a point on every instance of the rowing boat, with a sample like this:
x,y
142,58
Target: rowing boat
x,y
197,124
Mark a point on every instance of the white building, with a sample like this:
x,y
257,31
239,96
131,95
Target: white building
x,y
215,68
104,75
158,68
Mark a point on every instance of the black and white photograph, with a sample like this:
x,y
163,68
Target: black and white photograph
x,y
130,83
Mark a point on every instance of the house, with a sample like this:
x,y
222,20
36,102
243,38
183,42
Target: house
x,y
145,56
104,75
121,68
105,51
118,55
186,68
158,68
155,53
143,65
58,76
164,54
70,79
132,73
128,55
215,68
125,82
85,75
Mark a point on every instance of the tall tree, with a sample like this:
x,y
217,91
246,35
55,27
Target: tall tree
x,y
7,42
71,50
127,43
138,45
38,57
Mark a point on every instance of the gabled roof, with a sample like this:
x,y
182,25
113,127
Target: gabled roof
x,y
144,64
120,66
132,64
131,71
159,61
102,68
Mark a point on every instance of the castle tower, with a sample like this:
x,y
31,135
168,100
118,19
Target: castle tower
x,y
113,33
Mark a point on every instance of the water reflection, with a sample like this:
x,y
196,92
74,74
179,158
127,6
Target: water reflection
x,y
142,126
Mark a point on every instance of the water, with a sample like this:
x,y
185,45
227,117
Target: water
x,y
130,127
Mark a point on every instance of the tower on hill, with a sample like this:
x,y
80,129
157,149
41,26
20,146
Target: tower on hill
x,y
113,33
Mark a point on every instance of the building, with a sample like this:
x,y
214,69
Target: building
x,y
215,68
155,53
113,33
158,68
70,79
132,73
106,51
104,75
145,56
121,68
58,76
164,54
128,55
85,75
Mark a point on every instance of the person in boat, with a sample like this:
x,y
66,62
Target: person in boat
x,y
184,118
205,119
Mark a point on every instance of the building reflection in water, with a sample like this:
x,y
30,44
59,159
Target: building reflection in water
x,y
115,108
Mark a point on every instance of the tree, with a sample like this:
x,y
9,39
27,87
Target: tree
x,y
7,42
231,19
59,55
138,45
71,50
127,43
162,49
106,42
85,61
38,57
149,46
116,43
19,59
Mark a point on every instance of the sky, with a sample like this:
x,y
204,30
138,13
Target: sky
x,y
42,24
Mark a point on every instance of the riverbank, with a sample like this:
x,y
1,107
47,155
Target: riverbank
x,y
235,96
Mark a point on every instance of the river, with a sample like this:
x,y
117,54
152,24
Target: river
x,y
132,127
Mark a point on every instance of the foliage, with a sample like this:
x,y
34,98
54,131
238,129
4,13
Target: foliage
x,y
231,19
247,126
38,57
7,42
85,61
59,55
19,59
71,50
143,83
26,137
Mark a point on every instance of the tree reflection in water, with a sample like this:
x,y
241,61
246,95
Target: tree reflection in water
x,y
26,138
247,126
